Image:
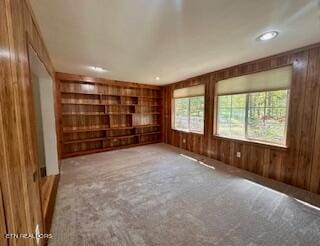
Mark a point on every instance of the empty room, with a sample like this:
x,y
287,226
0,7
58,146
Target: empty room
x,y
159,122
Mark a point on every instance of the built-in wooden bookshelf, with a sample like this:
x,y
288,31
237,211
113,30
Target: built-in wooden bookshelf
x,y
98,115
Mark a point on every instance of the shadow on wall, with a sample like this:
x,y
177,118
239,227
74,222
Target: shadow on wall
x,y
42,86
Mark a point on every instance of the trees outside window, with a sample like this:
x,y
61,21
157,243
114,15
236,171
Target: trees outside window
x,y
258,116
189,114
182,113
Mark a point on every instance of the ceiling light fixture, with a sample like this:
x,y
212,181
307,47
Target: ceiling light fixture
x,y
268,36
157,78
98,69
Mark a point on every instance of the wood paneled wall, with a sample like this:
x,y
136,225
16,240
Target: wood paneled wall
x,y
17,122
299,164
3,229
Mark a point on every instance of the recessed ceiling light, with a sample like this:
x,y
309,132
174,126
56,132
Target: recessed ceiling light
x,y
268,36
157,78
98,69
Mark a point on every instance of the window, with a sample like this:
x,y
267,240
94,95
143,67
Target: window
x,y
259,115
182,113
267,115
231,115
196,113
188,110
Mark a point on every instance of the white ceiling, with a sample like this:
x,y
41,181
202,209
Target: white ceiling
x,y
138,40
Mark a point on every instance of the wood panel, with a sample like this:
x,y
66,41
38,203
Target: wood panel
x,y
298,164
99,115
314,175
19,176
3,224
49,186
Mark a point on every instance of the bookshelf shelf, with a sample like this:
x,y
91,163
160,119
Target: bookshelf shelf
x,y
110,137
104,104
98,117
103,94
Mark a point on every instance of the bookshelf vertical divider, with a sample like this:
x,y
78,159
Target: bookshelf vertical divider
x,y
99,115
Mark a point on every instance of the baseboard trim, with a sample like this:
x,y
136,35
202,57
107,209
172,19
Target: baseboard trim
x,y
49,188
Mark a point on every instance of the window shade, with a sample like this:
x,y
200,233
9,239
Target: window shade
x,y
275,79
192,91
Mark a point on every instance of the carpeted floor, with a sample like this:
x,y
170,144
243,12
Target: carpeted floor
x,y
156,195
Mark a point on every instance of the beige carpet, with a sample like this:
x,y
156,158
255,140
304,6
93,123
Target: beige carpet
x,y
154,195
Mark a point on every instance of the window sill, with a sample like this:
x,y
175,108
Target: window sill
x,y
190,132
253,142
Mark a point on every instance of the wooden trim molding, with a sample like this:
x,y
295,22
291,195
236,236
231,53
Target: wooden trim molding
x,y
3,223
82,78
49,188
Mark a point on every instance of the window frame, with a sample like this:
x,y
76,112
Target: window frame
x,y
173,115
246,138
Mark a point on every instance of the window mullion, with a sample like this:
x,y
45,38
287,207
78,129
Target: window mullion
x,y
230,126
265,109
173,112
189,126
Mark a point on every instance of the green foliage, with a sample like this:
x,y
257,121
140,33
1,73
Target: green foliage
x,y
182,106
197,106
195,116
267,112
197,113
